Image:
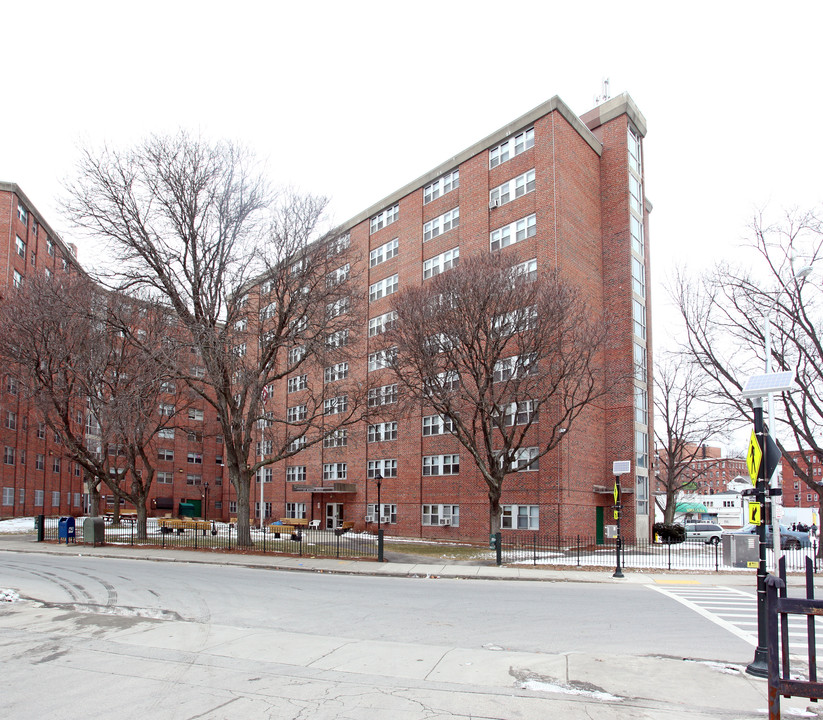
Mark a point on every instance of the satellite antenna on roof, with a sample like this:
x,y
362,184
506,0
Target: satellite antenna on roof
x,y
605,95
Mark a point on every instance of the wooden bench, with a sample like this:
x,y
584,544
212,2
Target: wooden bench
x,y
168,525
286,530
344,528
299,522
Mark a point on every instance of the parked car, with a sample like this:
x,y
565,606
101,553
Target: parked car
x,y
705,531
789,539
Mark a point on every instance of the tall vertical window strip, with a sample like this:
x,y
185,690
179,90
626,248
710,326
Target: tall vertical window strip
x,y
441,186
633,142
641,406
640,368
511,147
387,217
638,277
636,227
641,447
639,314
635,194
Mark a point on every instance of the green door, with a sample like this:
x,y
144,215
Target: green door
x,y
598,519
197,507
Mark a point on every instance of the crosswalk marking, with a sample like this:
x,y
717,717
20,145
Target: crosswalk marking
x,y
736,611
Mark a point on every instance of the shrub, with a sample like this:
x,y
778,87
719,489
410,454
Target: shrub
x,y
674,533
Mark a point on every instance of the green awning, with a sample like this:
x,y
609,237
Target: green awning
x,y
688,507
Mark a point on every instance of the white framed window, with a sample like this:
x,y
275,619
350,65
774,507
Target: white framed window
x,y
50,247
641,406
511,148
384,287
382,432
641,447
445,184
525,271
511,189
514,366
526,459
268,311
335,471
298,382
639,317
10,420
441,515
440,263
296,413
55,498
382,323
336,405
12,386
437,425
338,276
264,474
164,477
296,354
385,252
336,438
635,194
264,447
296,473
640,367
636,228
448,380
266,421
22,214
165,454
386,467
385,395
195,414
441,224
166,409
17,280
194,458
193,479
384,218
382,358
339,338
338,307
388,512
20,245
9,455
55,463
338,371
296,511
441,464
339,245
38,498
241,325
40,462
297,444
633,142
519,413
520,517
513,232
8,496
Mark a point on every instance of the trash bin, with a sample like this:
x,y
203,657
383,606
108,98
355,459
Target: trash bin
x,y
66,530
186,509
94,532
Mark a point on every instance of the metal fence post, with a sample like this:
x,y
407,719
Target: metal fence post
x,y
498,539
380,545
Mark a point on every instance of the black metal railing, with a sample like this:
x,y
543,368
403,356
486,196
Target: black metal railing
x,y
223,537
579,551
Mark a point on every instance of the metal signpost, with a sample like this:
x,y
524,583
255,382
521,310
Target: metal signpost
x,y
619,467
762,459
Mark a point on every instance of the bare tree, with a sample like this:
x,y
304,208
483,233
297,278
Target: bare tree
x,y
508,359
686,421
727,312
70,345
259,293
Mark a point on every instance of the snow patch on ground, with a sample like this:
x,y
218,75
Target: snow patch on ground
x,y
17,526
542,686
8,596
725,668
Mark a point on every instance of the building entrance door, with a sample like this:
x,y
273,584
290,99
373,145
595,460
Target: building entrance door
x,y
334,515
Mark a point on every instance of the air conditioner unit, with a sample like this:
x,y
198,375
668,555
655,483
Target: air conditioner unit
x,y
445,521
385,519
494,203
369,518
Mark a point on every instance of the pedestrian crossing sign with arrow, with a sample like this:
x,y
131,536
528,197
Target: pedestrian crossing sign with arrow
x,y
755,513
753,458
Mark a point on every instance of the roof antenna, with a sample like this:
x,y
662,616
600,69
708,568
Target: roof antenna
x,y
605,95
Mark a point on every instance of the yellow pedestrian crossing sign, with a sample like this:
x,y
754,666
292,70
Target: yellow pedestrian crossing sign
x,y
753,458
755,513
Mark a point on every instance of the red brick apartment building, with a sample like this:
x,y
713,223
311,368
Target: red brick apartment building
x,y
796,494
565,192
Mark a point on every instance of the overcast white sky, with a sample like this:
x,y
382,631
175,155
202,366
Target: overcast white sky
x,y
355,99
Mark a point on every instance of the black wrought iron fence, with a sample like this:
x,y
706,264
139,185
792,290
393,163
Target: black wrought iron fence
x,y
203,535
579,551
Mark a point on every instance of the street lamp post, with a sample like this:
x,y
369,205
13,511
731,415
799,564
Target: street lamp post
x,y
379,479
206,495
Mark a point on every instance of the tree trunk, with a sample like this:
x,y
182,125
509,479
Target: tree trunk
x,y
671,505
240,480
494,510
142,532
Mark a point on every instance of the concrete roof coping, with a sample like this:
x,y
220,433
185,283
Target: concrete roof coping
x,y
609,110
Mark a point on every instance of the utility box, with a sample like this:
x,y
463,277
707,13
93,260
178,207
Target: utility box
x,y
611,532
66,530
185,509
94,531
740,550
